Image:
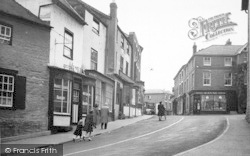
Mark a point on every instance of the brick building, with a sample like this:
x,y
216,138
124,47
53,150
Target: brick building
x,y
206,83
24,76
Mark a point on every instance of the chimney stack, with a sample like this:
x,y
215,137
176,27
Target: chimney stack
x,y
228,42
194,48
113,10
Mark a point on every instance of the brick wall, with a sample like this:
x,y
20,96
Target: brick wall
x,y
29,55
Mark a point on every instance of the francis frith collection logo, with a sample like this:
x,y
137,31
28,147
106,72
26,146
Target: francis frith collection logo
x,y
211,28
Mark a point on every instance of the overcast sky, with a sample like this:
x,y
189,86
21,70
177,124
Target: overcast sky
x,y
162,29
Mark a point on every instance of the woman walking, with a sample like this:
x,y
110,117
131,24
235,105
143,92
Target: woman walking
x,y
88,126
78,131
104,116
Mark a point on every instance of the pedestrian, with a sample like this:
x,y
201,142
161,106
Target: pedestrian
x,y
78,130
95,115
161,111
104,116
88,126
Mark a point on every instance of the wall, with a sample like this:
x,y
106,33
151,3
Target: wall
x,y
29,55
95,41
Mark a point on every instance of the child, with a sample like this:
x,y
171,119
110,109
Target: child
x,y
78,131
88,126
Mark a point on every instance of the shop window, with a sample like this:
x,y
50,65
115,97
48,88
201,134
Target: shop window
x,y
213,103
87,98
228,79
68,44
109,96
5,34
206,79
207,61
62,96
94,59
228,61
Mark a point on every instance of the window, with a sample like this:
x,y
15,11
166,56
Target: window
x,y
126,68
6,90
122,42
207,61
127,48
62,96
228,61
121,64
96,26
228,79
149,97
207,79
94,59
68,44
5,34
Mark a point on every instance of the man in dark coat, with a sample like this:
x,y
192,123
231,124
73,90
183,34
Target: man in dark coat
x,y
161,111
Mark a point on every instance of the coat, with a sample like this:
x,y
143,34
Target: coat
x,y
161,110
104,114
88,125
95,115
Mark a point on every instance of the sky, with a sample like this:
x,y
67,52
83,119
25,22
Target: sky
x,y
161,27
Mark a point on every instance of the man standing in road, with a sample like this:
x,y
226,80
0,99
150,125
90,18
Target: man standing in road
x,y
161,111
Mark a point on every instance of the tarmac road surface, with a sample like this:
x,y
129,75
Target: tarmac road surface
x,y
152,137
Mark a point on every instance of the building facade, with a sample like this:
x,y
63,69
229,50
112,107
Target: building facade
x,y
24,76
206,84
152,98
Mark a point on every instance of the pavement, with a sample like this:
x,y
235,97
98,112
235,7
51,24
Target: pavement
x,y
61,138
234,141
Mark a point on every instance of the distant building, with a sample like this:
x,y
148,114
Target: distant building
x,y
206,84
24,76
153,97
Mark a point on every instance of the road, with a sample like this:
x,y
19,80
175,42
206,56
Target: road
x,y
152,137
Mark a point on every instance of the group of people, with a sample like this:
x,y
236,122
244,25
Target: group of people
x,y
161,111
91,122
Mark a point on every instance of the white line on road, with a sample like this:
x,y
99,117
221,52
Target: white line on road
x,y
195,148
125,140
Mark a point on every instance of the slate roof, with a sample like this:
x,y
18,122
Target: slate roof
x,y
220,50
13,8
70,10
80,7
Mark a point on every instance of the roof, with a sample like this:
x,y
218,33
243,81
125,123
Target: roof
x,y
220,50
80,6
71,11
157,91
13,8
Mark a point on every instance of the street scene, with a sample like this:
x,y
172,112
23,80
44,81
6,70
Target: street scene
x,y
124,78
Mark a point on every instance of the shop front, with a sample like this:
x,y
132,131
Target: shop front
x,y
70,96
104,90
206,102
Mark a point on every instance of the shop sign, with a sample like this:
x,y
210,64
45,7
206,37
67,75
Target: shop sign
x,y
73,68
210,28
60,97
210,93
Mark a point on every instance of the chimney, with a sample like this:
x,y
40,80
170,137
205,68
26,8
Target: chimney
x,y
113,10
194,48
228,42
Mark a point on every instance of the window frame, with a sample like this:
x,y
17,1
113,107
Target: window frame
x,y
205,62
8,91
97,23
226,78
122,41
69,96
203,79
2,40
121,63
69,33
231,62
93,61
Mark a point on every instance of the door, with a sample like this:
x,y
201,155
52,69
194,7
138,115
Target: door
x,y
76,102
